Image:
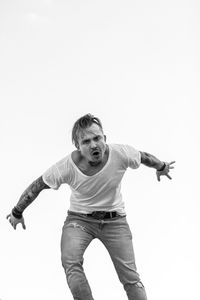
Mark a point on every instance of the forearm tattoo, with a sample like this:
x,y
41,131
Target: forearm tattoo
x,y
30,194
151,161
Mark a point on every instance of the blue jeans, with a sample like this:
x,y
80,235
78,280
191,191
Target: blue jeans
x,y
78,231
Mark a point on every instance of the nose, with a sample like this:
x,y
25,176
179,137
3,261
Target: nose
x,y
93,144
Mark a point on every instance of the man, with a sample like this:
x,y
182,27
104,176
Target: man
x,y
94,172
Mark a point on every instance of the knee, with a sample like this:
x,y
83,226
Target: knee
x,y
135,290
70,267
137,284
67,264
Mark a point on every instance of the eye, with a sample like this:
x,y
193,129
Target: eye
x,y
97,138
85,142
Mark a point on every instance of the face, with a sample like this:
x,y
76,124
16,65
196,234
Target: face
x,y
92,144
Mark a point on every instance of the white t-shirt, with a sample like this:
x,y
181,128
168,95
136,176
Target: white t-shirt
x,y
99,192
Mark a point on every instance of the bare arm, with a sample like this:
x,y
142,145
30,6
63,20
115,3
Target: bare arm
x,y
162,168
151,161
28,196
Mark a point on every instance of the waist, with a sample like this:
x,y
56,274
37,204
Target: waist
x,y
99,215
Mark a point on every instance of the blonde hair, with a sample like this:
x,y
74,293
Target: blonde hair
x,y
82,123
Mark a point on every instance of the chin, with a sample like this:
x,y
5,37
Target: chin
x,y
96,161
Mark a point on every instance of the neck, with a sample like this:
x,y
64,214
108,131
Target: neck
x,y
94,163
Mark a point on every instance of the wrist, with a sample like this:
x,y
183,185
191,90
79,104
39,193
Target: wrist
x,y
16,213
162,167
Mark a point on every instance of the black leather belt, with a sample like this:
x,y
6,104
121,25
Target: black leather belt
x,y
103,214
100,215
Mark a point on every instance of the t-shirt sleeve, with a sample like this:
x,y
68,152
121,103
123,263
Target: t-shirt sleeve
x,y
52,178
57,174
133,156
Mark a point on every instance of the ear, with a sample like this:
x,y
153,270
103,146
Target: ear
x,y
77,146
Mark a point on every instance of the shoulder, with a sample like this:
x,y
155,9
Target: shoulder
x,y
62,166
130,155
118,150
116,147
63,161
122,148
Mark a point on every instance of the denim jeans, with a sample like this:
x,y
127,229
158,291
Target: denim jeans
x,y
78,231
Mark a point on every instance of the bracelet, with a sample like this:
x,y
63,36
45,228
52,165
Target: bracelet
x,y
163,167
16,213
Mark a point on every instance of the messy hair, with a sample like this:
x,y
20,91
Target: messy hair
x,y
83,123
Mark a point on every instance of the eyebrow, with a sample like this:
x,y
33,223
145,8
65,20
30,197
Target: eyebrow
x,y
86,140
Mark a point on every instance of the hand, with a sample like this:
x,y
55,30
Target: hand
x,y
14,221
165,171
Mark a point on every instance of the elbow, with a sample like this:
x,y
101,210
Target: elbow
x,y
143,157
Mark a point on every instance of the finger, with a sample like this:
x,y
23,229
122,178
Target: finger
x,y
11,223
158,176
168,176
23,225
171,167
172,162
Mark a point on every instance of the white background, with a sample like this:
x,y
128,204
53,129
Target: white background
x,y
135,65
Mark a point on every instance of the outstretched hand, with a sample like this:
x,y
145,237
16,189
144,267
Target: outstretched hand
x,y
14,221
166,170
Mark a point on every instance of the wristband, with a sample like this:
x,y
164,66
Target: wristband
x,y
163,167
16,213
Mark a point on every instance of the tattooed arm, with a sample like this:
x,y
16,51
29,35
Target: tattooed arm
x,y
162,168
151,161
29,195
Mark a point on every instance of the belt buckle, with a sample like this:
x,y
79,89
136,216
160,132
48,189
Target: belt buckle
x,y
98,214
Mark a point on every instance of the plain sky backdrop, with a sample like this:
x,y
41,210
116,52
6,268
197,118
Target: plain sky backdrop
x,y
135,65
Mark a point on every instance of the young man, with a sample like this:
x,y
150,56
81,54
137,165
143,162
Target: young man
x,y
94,172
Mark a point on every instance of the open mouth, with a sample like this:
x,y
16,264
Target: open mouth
x,y
96,153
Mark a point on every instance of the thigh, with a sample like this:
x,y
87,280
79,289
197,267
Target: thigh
x,y
118,240
74,241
